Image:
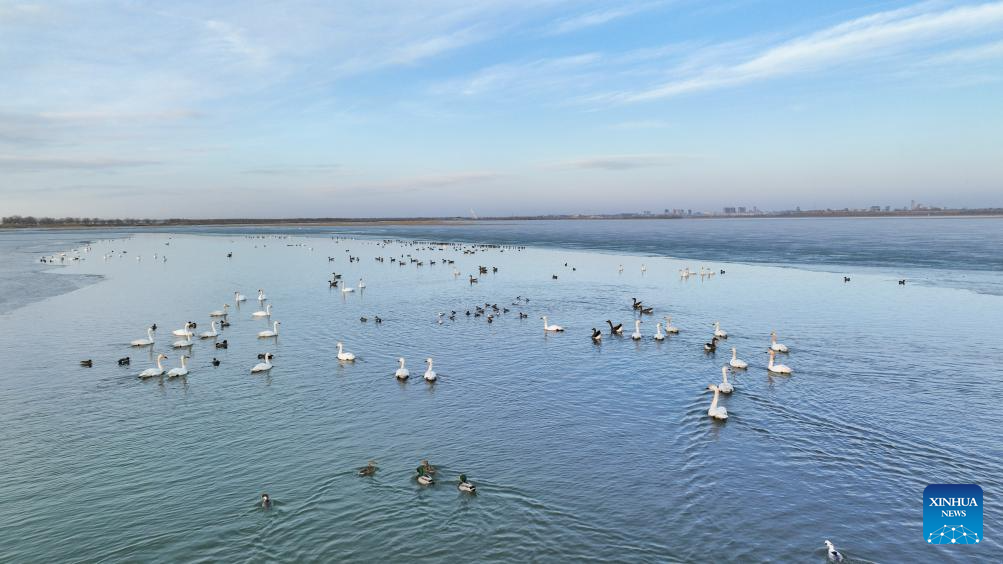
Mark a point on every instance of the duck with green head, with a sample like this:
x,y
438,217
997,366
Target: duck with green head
x,y
423,477
465,486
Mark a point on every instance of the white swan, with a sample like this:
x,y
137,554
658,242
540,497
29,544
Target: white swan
x,y
725,386
211,333
669,328
342,355
718,332
636,335
347,289
777,368
186,332
263,366
832,553
402,373
183,343
273,333
715,411
144,342
267,312
238,297
659,336
220,312
548,327
643,268
361,284
774,345
180,371
430,374
736,362
261,295
158,371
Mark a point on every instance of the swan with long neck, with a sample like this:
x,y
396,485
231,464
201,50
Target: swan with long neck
x,y
220,312
184,343
402,373
777,368
636,335
212,333
144,342
725,386
342,355
774,345
158,371
181,370
659,336
549,327
736,362
263,366
669,328
718,332
430,374
261,295
273,333
716,411
267,312
186,332
238,297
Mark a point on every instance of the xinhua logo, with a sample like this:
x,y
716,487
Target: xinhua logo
x,y
952,514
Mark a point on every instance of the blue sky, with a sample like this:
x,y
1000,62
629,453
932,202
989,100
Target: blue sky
x,y
403,108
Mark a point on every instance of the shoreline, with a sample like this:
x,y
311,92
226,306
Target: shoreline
x,y
377,222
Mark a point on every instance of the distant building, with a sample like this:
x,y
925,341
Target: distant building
x,y
729,210
741,209
875,208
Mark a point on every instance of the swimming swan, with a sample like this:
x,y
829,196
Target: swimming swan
x,y
725,386
636,335
659,336
833,554
267,312
263,366
180,371
220,312
261,295
774,345
144,342
186,332
430,374
736,362
778,368
158,371
184,343
715,411
273,333
718,332
402,373
238,297
342,355
548,327
212,333
669,328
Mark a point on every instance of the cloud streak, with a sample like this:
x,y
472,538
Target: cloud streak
x,y
19,163
624,162
862,39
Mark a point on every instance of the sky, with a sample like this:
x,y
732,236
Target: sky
x,y
395,108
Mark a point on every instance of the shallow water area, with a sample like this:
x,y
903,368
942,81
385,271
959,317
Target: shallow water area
x,y
579,451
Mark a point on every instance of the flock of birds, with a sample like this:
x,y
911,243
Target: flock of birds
x,y
424,474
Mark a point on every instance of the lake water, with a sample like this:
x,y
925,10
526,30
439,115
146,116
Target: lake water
x,y
579,452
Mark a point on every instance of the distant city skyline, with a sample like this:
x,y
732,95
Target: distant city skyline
x,y
505,107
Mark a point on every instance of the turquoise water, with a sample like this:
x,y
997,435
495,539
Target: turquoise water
x,y
579,452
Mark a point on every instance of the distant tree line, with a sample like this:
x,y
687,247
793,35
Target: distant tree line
x,y
32,221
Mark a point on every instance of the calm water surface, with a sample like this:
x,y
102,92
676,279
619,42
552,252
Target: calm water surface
x,y
580,452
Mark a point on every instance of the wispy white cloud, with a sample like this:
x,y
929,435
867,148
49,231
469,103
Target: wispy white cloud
x,y
232,39
986,52
624,162
867,38
430,181
21,163
600,17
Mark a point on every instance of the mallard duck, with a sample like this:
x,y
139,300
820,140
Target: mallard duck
x,y
369,469
429,469
465,486
423,477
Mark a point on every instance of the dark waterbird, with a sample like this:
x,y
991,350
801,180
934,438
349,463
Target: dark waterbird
x,y
222,344
124,361
596,335
615,329
711,346
87,363
215,361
